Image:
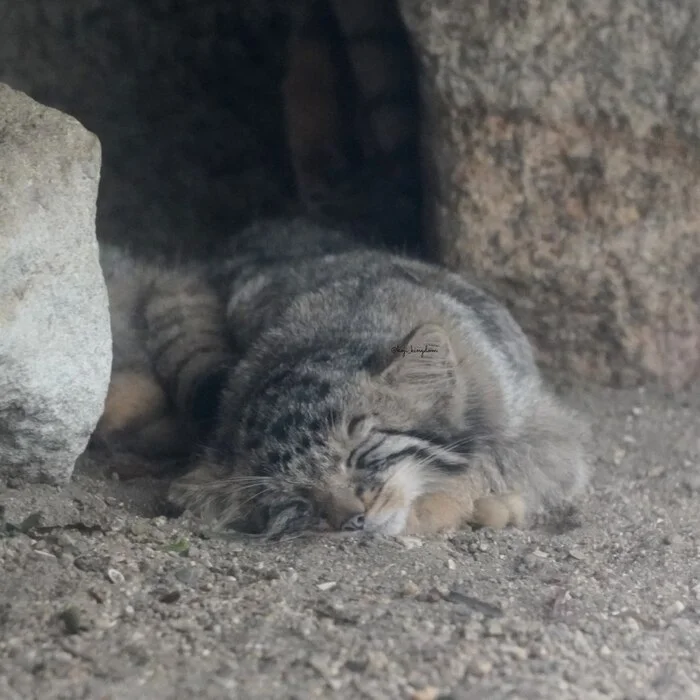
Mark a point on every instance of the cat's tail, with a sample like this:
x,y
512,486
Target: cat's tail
x,y
184,332
545,459
170,358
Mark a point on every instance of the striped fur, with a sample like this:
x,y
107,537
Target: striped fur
x,y
362,389
170,355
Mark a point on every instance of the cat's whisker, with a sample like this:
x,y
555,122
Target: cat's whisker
x,y
258,494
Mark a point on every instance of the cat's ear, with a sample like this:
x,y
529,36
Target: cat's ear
x,y
424,362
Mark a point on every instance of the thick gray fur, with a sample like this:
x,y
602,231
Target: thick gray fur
x,y
317,380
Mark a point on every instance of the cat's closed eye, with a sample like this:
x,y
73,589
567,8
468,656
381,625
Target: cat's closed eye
x,y
361,426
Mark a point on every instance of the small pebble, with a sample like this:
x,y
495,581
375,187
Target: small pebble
x,y
494,628
138,527
410,589
672,538
518,653
44,553
187,575
169,596
618,456
676,608
605,651
636,411
65,541
97,595
327,586
479,667
427,693
70,617
431,596
570,675
451,564
577,554
115,576
410,542
539,651
357,665
632,624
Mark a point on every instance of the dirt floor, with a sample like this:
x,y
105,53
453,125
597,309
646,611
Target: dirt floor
x,y
102,598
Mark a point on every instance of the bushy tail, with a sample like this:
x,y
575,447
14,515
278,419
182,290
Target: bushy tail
x,y
546,460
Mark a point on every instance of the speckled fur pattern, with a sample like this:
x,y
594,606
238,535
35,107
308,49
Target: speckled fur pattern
x,y
361,390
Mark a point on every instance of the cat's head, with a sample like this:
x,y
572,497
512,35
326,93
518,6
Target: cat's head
x,y
325,441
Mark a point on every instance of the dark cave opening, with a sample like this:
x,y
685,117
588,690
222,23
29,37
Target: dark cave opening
x,y
187,100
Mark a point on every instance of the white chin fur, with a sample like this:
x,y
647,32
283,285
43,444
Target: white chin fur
x,y
393,523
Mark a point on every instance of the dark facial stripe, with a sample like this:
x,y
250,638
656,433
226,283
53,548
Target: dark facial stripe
x,y
421,452
463,444
395,457
362,456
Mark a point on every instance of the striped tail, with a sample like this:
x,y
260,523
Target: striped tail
x,y
187,343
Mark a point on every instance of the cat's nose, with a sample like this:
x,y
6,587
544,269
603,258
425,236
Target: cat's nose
x,y
354,522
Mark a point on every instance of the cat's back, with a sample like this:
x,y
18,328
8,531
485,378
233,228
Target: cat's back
x,y
300,279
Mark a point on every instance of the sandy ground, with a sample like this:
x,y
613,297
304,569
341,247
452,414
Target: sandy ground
x,y
101,598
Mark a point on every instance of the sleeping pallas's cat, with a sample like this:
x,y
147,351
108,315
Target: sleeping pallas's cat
x,y
360,389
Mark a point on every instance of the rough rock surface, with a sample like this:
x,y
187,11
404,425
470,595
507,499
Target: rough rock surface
x,y
55,342
563,149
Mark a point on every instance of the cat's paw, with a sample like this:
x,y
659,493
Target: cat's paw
x,y
498,511
137,429
133,398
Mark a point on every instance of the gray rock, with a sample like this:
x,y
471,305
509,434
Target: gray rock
x,y
55,342
562,148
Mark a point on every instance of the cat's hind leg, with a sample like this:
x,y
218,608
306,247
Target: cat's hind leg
x,y
138,426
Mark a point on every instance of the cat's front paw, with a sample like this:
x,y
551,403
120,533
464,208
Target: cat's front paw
x,y
447,512
498,511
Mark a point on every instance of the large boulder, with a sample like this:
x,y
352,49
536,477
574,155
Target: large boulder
x,y
55,342
563,152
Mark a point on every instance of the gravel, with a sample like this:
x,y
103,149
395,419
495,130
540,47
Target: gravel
x,y
103,597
